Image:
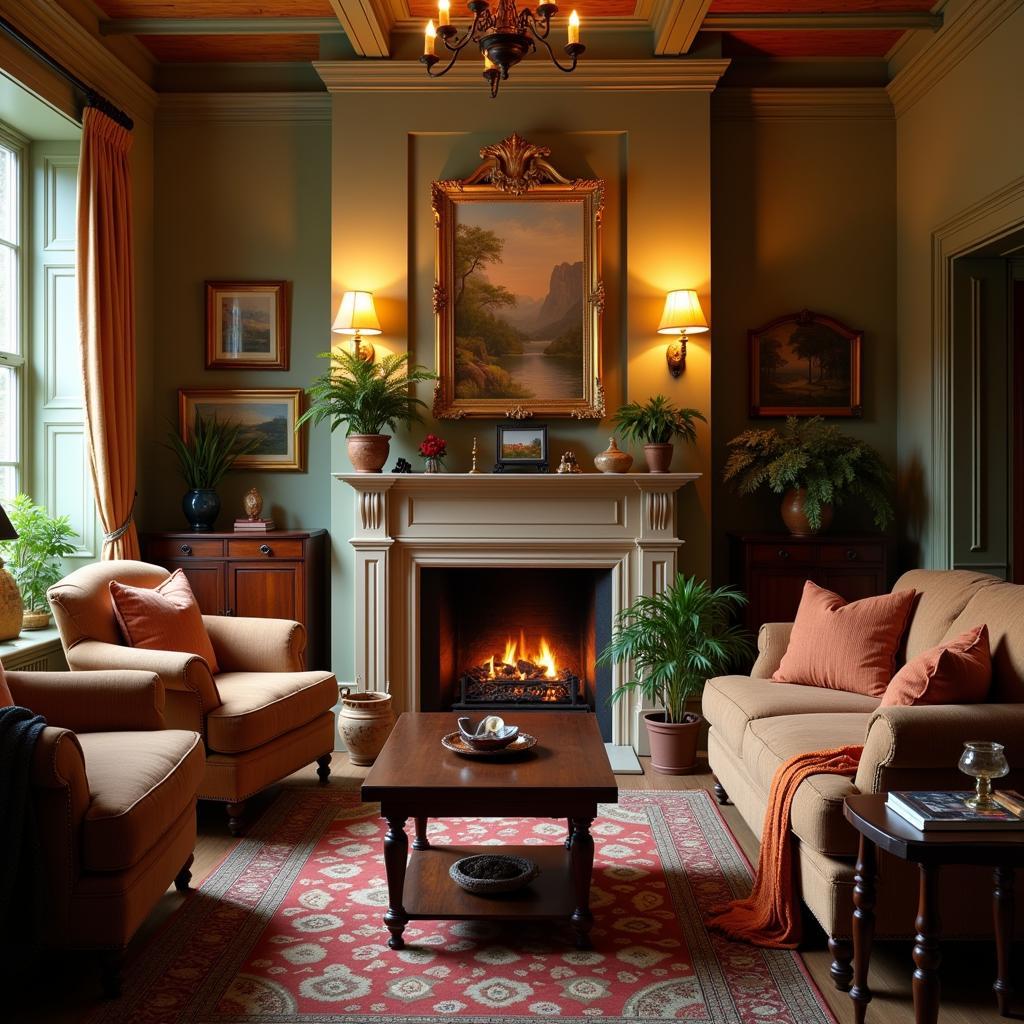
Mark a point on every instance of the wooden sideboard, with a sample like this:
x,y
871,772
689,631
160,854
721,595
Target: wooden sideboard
x,y
771,569
278,575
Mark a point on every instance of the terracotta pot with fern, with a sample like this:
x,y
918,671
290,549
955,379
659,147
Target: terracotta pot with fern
x,y
654,424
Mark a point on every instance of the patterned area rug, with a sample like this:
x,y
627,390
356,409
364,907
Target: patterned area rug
x,y
288,929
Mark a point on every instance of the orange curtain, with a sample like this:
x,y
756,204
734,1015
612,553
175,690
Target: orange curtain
x,y
106,310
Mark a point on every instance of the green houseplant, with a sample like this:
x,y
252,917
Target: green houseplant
x,y
653,425
368,398
34,557
204,456
673,642
815,467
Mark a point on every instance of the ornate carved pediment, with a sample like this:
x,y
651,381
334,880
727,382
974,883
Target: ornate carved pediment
x,y
515,166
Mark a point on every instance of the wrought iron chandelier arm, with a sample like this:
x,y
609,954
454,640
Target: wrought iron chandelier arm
x,y
461,44
444,71
554,60
540,27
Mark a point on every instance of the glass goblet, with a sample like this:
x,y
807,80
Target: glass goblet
x,y
983,761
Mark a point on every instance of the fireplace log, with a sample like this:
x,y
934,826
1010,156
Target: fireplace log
x,y
528,669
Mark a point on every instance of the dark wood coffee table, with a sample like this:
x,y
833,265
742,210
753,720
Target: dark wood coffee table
x,y
566,775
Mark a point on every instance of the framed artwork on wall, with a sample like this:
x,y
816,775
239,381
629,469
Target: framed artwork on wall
x,y
266,415
805,364
247,325
521,446
518,295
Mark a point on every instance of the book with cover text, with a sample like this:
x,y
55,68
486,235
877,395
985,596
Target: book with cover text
x,y
947,810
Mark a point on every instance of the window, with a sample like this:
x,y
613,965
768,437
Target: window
x,y
12,308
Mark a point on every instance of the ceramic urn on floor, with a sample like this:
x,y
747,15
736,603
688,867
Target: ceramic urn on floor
x,y
365,722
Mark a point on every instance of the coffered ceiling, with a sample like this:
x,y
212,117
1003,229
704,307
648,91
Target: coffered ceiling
x,y
228,31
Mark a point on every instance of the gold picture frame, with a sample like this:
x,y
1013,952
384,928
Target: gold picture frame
x,y
247,325
267,413
516,364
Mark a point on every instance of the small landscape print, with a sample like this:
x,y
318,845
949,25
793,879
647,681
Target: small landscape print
x,y
805,364
247,325
523,445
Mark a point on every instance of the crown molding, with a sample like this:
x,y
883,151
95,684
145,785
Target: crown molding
x,y
253,108
657,75
72,45
978,20
763,103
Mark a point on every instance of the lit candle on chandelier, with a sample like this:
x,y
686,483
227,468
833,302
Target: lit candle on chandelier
x,y
443,9
429,39
489,64
574,28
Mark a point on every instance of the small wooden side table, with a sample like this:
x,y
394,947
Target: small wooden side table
x,y
883,829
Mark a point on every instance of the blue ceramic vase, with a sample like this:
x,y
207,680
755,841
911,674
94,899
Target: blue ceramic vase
x,y
201,507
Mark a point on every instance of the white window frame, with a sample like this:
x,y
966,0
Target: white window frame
x,y
15,142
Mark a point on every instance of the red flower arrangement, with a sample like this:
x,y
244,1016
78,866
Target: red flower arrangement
x,y
432,447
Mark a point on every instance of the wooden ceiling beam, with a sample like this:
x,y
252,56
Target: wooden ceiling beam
x,y
676,24
368,24
218,26
798,21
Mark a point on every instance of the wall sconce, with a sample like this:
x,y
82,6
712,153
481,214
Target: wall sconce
x,y
357,316
682,316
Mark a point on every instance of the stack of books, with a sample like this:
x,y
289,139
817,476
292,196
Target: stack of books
x,y
254,525
947,811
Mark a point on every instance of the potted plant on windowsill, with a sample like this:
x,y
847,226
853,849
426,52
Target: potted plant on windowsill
x,y
368,398
653,425
815,467
673,642
34,557
204,456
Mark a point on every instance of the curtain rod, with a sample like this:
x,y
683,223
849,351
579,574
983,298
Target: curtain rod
x,y
92,97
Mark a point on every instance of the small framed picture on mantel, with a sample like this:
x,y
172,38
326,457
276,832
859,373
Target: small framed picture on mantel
x,y
522,448
247,325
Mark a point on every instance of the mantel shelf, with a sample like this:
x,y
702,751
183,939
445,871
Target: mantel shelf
x,y
523,484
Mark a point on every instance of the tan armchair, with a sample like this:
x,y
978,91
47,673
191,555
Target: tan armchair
x,y
261,717
114,793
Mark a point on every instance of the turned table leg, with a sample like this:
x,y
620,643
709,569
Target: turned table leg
x,y
396,855
926,948
421,842
581,854
568,834
1002,911
863,926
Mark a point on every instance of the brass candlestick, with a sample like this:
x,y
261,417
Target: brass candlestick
x,y
473,468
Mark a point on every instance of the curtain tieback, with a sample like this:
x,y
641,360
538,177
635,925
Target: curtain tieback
x,y
109,538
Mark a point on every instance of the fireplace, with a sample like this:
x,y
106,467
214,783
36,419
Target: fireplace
x,y
515,640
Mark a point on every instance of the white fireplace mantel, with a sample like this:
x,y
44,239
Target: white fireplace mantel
x,y
406,522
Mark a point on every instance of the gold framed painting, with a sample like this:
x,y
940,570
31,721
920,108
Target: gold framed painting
x,y
247,325
266,415
518,295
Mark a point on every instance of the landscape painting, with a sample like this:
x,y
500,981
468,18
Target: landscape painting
x,y
267,418
247,325
805,364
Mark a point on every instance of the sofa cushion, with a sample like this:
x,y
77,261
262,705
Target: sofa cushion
x,y
817,811
999,606
6,700
730,702
256,707
139,784
957,672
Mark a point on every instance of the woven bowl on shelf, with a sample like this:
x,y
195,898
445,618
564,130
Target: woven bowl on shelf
x,y
488,874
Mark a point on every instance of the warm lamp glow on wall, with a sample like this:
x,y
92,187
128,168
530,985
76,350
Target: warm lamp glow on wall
x,y
357,316
682,316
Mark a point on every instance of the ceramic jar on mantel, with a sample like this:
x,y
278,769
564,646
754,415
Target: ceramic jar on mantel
x,y
365,722
613,459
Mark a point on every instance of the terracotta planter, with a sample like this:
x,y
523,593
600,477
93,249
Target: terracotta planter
x,y
365,722
35,620
794,514
613,459
658,456
673,744
368,452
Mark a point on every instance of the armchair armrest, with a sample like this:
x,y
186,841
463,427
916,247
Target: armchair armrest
x,y
772,641
92,701
257,645
919,747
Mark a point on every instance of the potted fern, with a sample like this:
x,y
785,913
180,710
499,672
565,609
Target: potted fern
x,y
653,425
368,398
814,467
204,456
33,558
672,643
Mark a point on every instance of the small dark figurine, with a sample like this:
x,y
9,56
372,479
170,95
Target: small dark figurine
x,y
402,466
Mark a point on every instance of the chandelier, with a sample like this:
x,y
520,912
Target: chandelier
x,y
505,36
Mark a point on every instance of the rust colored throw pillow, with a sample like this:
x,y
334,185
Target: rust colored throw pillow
x,y
165,618
843,646
958,672
6,700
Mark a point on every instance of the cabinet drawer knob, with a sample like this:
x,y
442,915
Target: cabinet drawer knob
x,y
186,549
851,555
783,553
264,549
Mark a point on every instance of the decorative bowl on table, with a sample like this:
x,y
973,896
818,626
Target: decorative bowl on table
x,y
457,745
489,874
489,734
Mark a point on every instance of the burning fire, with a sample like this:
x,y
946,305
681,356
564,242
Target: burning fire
x,y
542,660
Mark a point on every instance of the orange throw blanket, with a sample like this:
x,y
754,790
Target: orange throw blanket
x,y
770,915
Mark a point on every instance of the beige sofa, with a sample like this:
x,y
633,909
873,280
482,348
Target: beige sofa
x,y
757,724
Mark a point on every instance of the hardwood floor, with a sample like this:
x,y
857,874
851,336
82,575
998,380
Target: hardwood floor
x,y
65,989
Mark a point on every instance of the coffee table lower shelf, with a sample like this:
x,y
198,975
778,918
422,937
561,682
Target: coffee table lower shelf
x,y
431,895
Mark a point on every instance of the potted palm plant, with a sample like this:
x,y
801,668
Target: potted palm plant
x,y
814,467
653,425
673,642
204,456
33,558
368,398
